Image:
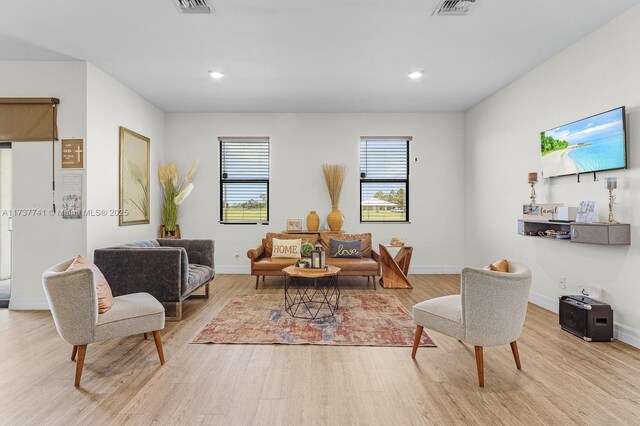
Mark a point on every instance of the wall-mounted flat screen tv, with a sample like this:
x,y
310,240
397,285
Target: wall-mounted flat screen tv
x,y
589,145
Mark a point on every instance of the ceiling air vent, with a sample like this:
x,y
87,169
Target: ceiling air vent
x,y
453,7
193,6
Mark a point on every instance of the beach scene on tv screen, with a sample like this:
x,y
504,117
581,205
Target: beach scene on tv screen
x,y
589,145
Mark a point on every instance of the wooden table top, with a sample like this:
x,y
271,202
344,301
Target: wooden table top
x,y
294,271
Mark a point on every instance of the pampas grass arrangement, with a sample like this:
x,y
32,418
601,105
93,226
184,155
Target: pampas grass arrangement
x,y
334,175
174,190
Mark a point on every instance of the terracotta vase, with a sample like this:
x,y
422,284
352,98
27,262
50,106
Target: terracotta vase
x,y
313,221
335,219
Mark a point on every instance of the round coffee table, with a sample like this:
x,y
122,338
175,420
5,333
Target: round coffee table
x,y
311,293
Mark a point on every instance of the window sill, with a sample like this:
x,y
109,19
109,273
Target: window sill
x,y
396,222
243,223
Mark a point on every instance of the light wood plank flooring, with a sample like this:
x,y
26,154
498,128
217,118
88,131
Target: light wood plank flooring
x,y
564,380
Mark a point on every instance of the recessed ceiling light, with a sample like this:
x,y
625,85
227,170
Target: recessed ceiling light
x,y
416,74
216,74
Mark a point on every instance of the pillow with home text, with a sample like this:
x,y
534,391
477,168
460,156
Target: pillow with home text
x,y
286,248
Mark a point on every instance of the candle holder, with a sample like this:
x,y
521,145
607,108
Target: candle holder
x,y
533,179
612,184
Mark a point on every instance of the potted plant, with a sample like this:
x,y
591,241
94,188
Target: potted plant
x,y
175,190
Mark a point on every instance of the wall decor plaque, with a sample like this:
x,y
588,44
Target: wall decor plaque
x,y
72,153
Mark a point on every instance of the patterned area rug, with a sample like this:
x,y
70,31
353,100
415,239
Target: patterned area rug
x,y
361,320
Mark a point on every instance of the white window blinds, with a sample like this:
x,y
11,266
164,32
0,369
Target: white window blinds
x,y
244,180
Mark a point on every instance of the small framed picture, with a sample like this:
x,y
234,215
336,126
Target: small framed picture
x,y
294,224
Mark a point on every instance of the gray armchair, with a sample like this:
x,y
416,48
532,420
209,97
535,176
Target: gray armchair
x,y
489,311
73,301
168,269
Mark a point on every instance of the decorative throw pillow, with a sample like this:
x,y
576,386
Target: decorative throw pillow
x,y
501,265
105,297
346,248
268,240
286,248
364,238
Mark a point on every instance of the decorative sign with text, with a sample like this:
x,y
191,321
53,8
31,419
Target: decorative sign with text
x,y
72,154
540,211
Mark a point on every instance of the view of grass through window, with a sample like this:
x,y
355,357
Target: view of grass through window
x,y
384,180
244,181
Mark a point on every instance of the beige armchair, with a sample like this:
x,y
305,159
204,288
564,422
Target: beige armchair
x,y
489,311
73,301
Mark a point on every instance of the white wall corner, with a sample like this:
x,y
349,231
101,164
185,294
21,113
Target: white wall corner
x,y
28,304
621,332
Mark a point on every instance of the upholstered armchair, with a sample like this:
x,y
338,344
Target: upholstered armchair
x,y
489,311
73,301
169,269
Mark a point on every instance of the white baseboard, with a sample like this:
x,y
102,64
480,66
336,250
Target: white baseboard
x,y
427,270
621,332
546,302
28,304
628,335
224,270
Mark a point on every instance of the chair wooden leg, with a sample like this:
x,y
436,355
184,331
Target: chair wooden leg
x,y
373,280
74,351
257,281
82,351
416,340
158,340
480,365
516,355
145,336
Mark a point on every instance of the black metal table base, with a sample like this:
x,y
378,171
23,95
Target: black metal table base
x,y
311,298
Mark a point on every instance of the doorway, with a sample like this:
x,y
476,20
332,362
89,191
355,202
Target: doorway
x,y
5,224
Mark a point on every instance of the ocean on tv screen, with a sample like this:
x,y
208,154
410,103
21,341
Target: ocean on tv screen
x,y
589,145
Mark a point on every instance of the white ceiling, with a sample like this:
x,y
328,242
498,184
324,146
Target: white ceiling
x,y
303,56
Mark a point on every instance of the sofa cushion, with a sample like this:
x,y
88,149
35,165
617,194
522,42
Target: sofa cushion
x,y
272,263
366,265
365,238
198,275
143,244
442,314
131,314
268,247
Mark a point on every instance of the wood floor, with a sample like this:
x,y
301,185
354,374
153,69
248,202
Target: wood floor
x,y
563,381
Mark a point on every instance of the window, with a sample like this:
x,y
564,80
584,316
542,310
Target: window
x,y
244,180
384,179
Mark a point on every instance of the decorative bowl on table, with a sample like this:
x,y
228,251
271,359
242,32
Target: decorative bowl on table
x,y
397,242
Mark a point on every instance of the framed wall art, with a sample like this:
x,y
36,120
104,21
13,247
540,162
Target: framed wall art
x,y
135,199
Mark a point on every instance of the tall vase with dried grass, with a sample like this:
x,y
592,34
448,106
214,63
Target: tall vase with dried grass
x,y
334,175
175,190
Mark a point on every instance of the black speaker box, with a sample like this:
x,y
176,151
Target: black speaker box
x,y
586,318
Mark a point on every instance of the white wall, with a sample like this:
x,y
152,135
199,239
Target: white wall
x,y
110,104
300,144
40,242
598,73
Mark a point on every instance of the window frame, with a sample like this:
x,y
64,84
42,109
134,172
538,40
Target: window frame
x,y
222,180
407,140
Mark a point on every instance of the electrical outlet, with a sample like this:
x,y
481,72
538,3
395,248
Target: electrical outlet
x,y
562,282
